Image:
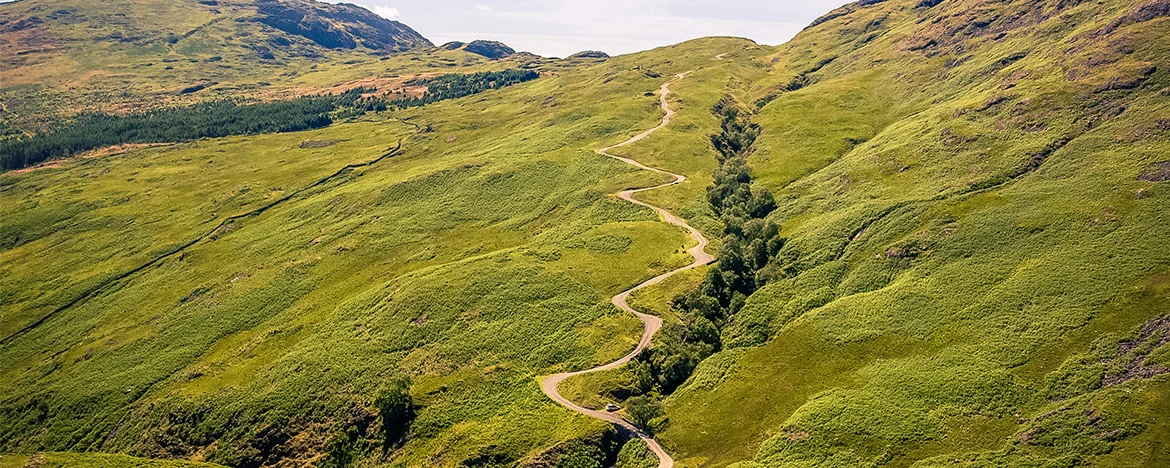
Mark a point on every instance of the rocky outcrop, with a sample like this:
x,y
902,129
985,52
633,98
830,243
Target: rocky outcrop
x,y
589,54
490,49
340,26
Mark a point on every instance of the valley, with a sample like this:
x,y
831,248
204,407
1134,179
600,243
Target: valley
x,y
920,233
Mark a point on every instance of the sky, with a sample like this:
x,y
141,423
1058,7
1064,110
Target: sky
x,y
559,28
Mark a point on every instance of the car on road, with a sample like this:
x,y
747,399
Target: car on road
x,y
612,407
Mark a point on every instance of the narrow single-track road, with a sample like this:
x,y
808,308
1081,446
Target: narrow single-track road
x,y
651,323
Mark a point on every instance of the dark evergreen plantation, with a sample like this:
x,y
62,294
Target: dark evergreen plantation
x,y
972,269
454,86
218,119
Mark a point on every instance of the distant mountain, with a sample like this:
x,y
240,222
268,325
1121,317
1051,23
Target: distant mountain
x,y
340,26
490,49
493,50
88,54
44,25
589,54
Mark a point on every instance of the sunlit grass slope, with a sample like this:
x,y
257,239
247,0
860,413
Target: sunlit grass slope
x,y
62,57
94,460
974,195
978,235
479,256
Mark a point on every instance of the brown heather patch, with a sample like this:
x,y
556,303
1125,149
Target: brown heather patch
x,y
1142,12
313,144
383,84
25,41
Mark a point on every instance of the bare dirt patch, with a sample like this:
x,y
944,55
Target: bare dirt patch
x,y
397,86
89,76
313,144
1131,354
1156,172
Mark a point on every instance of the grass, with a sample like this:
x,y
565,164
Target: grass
x,y
97,460
477,258
975,261
939,285
184,190
120,57
635,454
13,461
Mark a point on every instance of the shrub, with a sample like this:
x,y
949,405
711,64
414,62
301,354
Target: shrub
x,y
642,409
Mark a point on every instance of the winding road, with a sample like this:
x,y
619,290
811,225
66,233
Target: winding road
x,y
651,323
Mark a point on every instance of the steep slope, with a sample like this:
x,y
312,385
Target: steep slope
x,y
62,57
340,26
334,273
976,267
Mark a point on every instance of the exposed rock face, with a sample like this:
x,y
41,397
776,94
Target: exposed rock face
x,y
340,26
453,45
490,49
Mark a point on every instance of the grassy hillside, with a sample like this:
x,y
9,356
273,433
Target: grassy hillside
x,y
975,212
63,57
250,300
971,193
94,460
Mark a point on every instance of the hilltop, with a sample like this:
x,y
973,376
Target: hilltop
x,y
939,227
974,266
64,57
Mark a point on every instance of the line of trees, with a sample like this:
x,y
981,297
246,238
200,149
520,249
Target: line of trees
x,y
746,261
454,86
206,120
228,117
751,241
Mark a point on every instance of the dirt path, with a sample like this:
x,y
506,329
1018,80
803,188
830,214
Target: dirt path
x,y
651,323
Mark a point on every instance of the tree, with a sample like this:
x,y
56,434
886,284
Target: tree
x,y
636,454
396,409
642,409
216,119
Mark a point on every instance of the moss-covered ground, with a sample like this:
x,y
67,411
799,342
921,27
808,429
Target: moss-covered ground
x,y
973,194
244,300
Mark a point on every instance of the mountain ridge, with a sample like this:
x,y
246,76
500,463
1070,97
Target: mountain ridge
x,y
940,229
358,26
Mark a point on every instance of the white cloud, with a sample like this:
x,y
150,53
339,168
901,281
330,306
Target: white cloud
x,y
482,7
384,11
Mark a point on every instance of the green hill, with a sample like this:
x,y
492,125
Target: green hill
x,y
65,57
250,300
971,266
976,257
